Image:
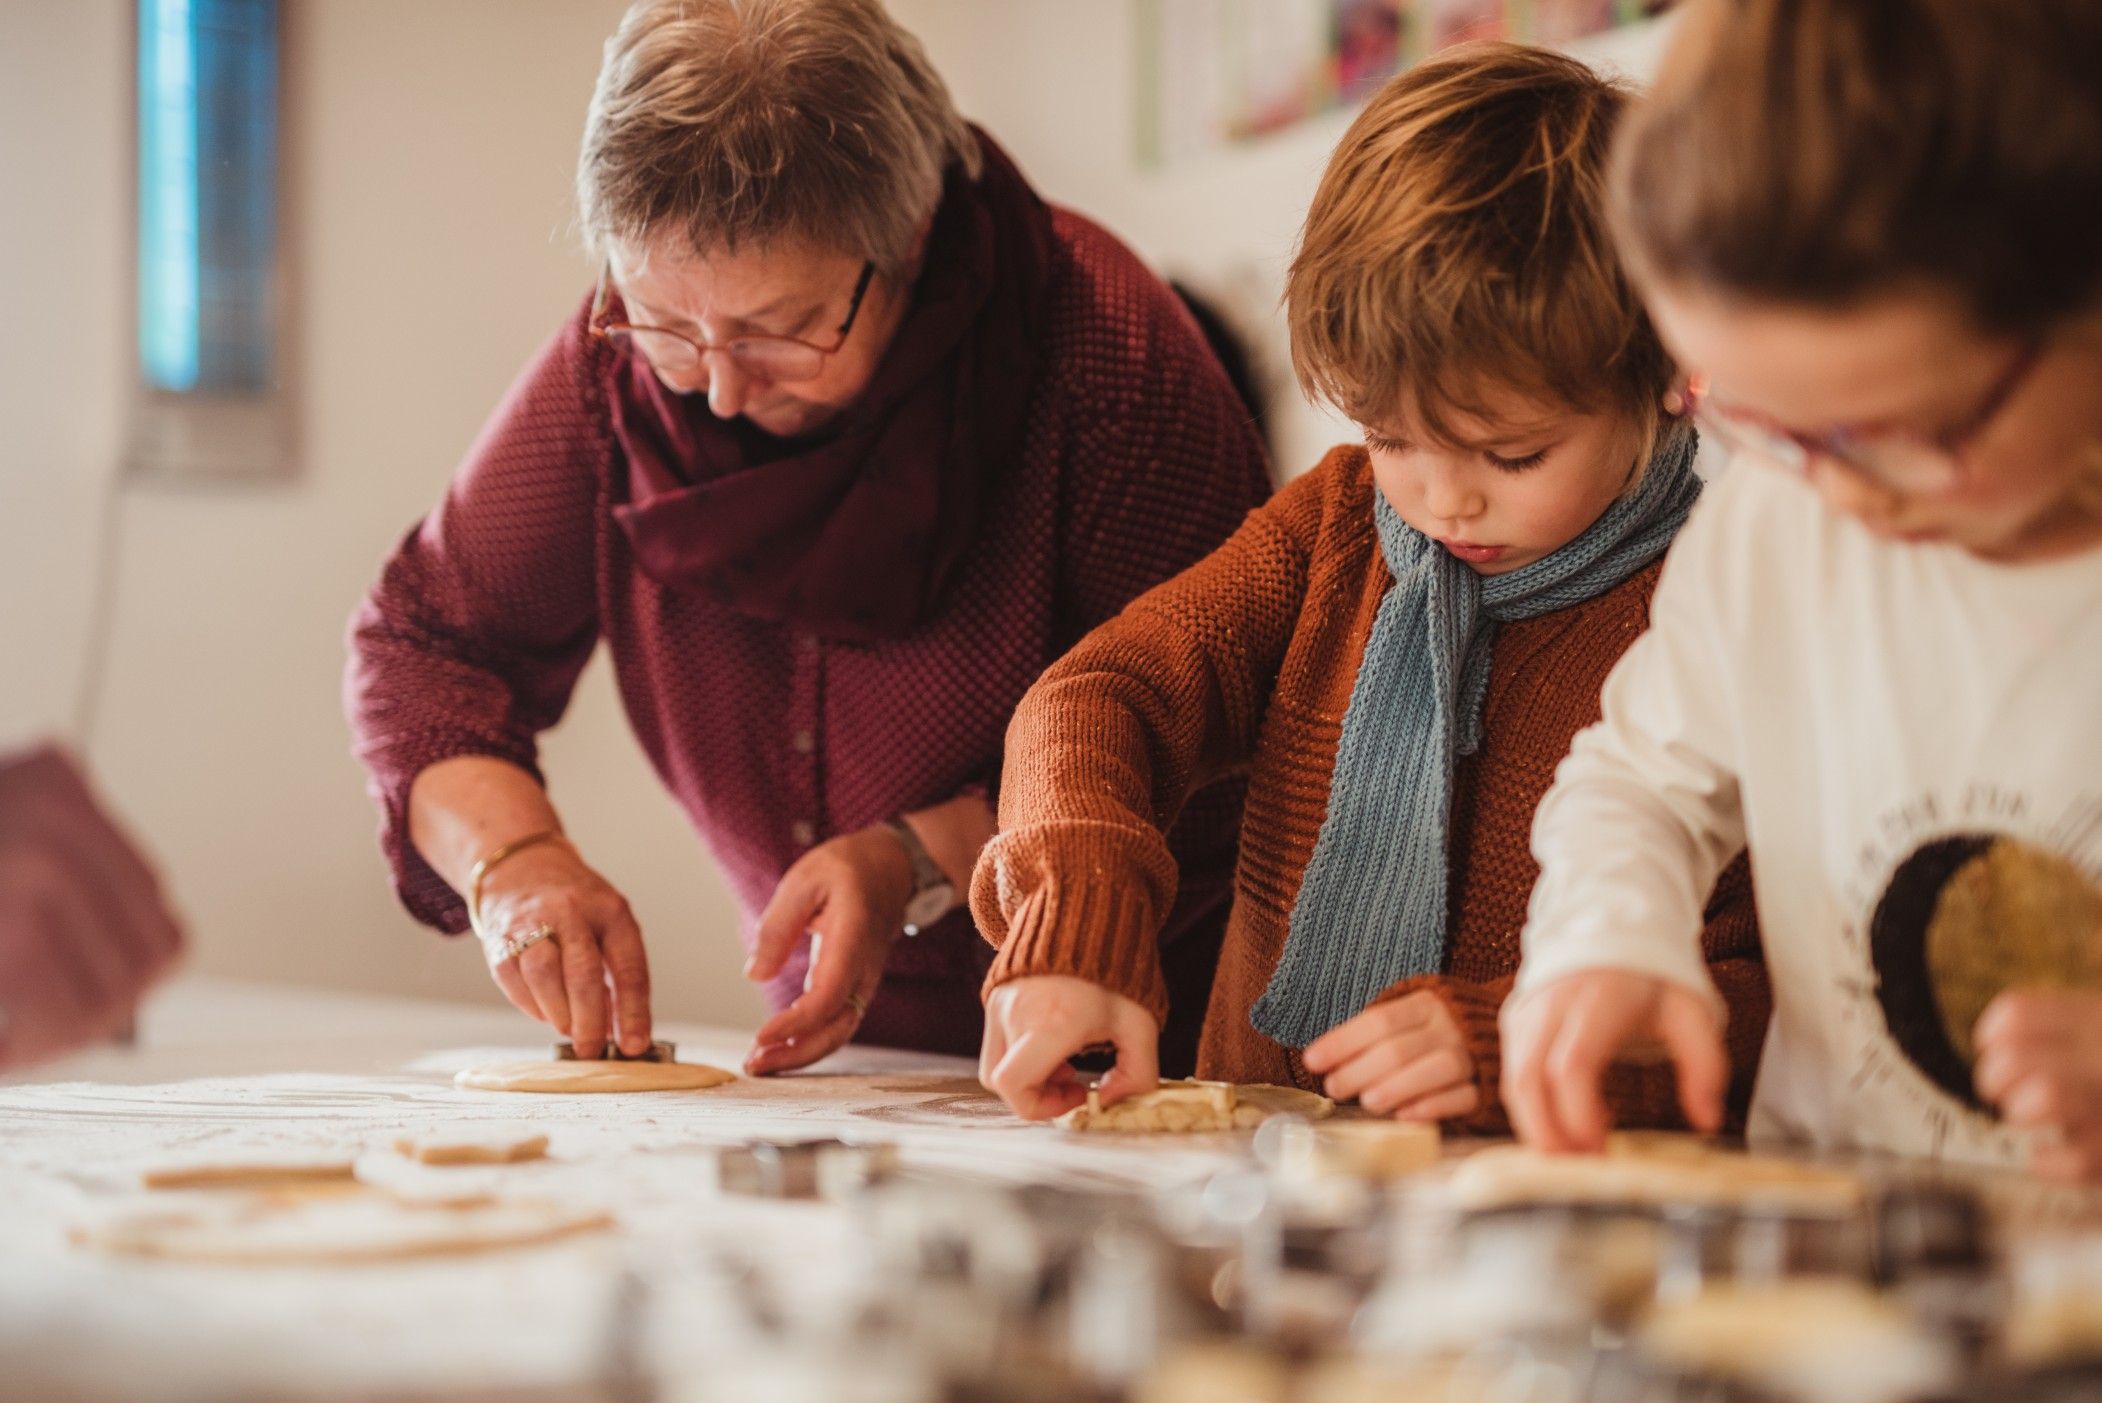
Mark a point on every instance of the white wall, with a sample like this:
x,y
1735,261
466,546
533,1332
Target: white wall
x,y
429,152
62,251
1056,82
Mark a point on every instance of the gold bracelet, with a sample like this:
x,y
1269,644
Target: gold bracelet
x,y
488,864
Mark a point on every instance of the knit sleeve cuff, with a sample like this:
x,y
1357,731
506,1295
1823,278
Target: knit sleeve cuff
x,y
1474,1007
1103,932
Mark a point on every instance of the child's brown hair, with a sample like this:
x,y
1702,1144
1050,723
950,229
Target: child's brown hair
x,y
1831,151
1459,242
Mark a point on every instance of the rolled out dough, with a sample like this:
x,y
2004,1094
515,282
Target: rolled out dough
x,y
441,1147
260,1169
558,1077
1195,1106
341,1229
1651,1171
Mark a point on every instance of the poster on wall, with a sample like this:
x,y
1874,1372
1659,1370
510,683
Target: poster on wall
x,y
1216,72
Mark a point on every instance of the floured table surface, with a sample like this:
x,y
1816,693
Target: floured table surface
x,y
77,1323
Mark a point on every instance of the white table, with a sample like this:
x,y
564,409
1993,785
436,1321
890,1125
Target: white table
x,y
222,1064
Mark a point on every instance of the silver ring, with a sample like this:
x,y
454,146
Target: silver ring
x,y
514,948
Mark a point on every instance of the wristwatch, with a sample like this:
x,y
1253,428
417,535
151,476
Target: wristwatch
x,y
933,894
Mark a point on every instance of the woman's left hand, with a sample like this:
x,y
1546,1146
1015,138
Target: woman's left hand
x,y
1403,1057
850,894
2040,1062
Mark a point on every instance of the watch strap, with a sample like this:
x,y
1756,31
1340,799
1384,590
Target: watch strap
x,y
927,874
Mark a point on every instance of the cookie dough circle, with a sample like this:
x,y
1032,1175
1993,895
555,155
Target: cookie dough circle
x,y
2013,915
566,1077
365,1227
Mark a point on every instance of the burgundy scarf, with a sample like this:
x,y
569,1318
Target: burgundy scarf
x,y
856,534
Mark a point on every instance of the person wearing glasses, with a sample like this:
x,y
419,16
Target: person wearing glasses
x,y
854,436
1876,651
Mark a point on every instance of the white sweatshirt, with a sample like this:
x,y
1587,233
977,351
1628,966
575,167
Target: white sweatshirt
x,y
1841,705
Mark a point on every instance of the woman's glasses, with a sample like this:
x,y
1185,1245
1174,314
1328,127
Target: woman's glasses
x,y
765,357
1912,464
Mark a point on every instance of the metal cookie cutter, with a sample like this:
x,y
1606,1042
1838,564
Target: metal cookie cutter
x,y
565,1051
802,1169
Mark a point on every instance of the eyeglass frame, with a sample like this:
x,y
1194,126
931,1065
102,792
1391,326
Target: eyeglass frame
x,y
1743,429
603,331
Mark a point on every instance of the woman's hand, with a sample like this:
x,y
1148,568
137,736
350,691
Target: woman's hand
x,y
2040,1063
1405,1057
1560,1038
849,895
84,931
1034,1024
590,979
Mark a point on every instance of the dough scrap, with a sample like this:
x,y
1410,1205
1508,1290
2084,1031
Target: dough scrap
x,y
1651,1171
566,1077
1195,1106
340,1229
444,1147
259,1169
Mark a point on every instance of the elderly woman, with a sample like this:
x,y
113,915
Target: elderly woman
x,y
855,435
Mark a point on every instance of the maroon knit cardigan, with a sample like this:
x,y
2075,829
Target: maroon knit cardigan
x,y
1138,459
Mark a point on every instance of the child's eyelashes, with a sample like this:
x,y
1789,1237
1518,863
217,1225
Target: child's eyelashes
x,y
1517,464
1512,463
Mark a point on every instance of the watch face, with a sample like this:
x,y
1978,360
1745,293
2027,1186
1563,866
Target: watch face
x,y
930,906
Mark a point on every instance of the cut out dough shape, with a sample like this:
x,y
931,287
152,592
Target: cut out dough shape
x,y
441,1147
1651,1171
1189,1107
262,1169
366,1227
558,1077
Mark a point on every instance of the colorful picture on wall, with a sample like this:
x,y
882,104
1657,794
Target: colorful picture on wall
x,y
1216,72
1370,41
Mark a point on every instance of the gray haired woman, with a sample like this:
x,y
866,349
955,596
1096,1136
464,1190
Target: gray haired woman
x,y
854,435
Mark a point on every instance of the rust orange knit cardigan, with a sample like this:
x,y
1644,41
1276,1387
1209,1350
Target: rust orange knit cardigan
x,y
1246,661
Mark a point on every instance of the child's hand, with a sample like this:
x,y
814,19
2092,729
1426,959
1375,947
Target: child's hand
x,y
1033,1024
1406,1057
2040,1062
1560,1038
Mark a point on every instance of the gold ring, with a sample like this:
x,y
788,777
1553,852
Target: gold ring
x,y
514,948
859,1005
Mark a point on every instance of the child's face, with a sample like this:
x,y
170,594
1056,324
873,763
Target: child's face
x,y
1524,480
2016,430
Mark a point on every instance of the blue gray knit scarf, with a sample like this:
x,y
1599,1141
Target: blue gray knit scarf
x,y
1371,908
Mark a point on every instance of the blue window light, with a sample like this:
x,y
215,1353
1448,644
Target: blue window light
x,y
208,229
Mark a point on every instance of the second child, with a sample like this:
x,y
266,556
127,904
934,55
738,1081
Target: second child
x,y
1398,648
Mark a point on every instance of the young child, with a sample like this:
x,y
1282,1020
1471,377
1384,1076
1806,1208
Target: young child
x,y
1872,231
1398,649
